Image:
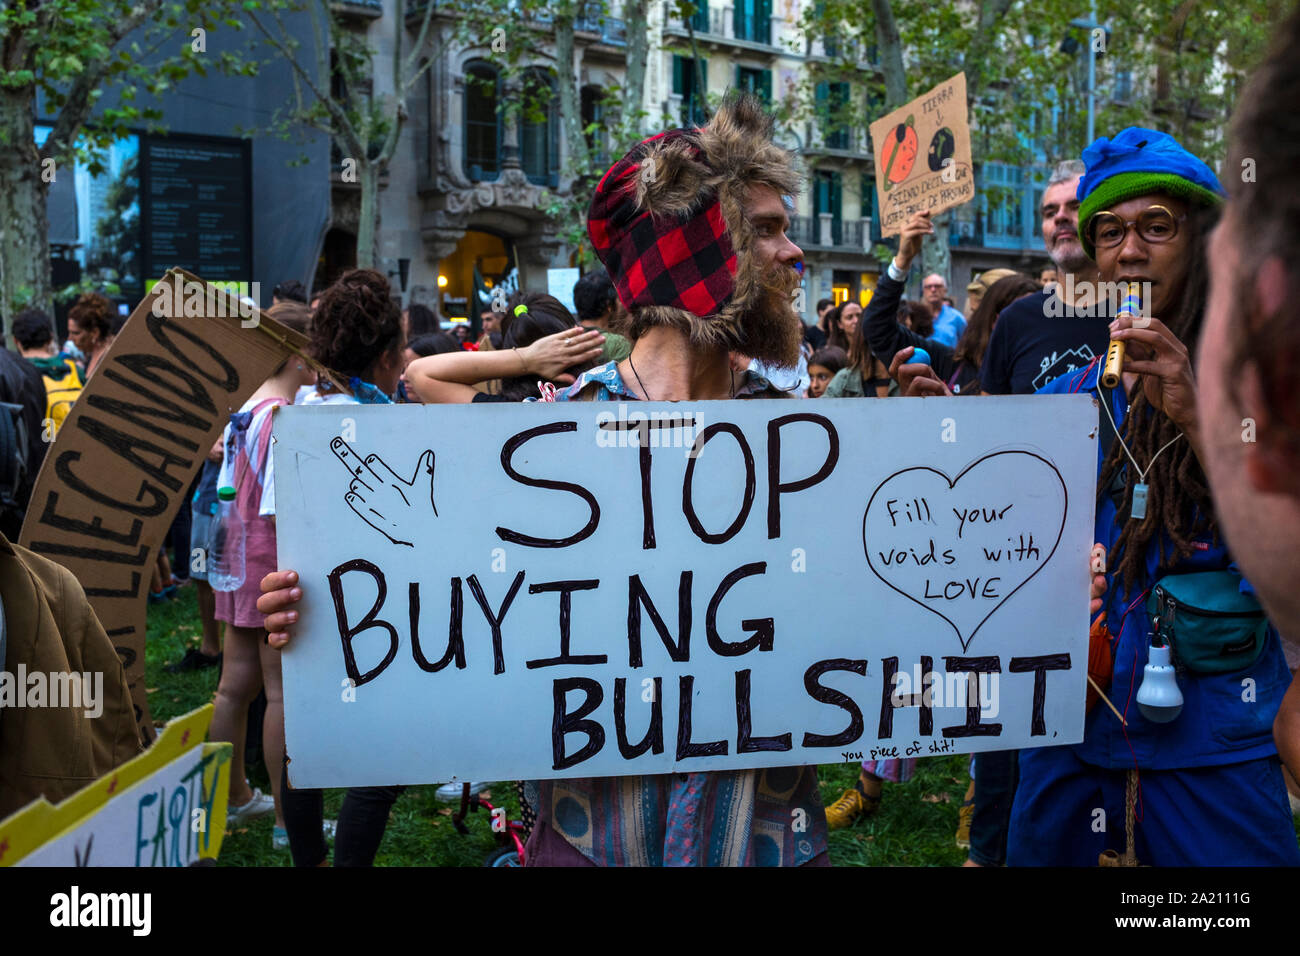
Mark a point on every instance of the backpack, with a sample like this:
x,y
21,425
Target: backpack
x,y
60,394
13,459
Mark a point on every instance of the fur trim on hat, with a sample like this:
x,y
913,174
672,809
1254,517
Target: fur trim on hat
x,y
736,152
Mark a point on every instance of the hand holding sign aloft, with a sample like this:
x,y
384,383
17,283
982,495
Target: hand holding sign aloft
x,y
909,241
382,498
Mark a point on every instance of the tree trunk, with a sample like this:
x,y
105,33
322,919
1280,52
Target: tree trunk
x,y
891,54
636,28
24,221
368,218
566,80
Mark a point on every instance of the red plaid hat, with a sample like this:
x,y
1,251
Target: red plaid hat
x,y
683,259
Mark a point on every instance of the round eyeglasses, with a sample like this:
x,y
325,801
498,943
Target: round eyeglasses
x,y
1154,224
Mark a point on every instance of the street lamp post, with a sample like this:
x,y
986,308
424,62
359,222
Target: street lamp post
x,y
1088,26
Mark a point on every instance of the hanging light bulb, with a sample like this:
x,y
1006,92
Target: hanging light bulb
x,y
1159,698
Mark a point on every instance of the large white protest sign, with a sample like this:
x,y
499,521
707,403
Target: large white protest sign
x,y
531,591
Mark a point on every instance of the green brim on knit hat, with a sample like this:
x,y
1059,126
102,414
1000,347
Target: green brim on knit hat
x,y
1124,186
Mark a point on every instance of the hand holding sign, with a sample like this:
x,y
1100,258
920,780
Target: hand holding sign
x,y
381,497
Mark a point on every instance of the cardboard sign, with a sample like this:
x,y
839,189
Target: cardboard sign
x,y
166,807
526,591
128,451
923,155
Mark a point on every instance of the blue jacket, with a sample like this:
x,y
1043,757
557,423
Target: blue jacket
x,y
1225,718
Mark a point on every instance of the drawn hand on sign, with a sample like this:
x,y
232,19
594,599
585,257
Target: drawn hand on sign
x,y
961,547
379,496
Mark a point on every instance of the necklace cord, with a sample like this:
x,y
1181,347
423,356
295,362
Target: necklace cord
x,y
1141,473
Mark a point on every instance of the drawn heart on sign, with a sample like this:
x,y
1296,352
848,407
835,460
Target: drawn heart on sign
x,y
961,547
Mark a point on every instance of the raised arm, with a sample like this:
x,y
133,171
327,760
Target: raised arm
x,y
884,334
449,377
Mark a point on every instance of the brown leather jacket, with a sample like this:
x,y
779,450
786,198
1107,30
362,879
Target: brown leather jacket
x,y
50,628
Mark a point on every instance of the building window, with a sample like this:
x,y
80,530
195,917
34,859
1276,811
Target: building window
x,y
832,112
700,20
827,199
539,140
593,123
482,122
758,82
686,85
753,20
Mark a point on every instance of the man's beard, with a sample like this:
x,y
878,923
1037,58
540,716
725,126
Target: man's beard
x,y
772,330
1069,257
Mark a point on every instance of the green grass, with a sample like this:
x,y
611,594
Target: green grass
x,y
914,826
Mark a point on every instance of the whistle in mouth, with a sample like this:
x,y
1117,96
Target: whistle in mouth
x,y
1131,306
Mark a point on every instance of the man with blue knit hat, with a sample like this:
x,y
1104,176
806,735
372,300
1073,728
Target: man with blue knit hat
x,y
1190,778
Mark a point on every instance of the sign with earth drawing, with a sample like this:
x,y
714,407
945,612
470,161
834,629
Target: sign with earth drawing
x,y
923,155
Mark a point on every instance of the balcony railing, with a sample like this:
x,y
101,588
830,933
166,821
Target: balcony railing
x,y
825,231
593,19
726,23
1005,213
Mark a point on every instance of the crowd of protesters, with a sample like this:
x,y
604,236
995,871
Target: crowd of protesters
x,y
1179,493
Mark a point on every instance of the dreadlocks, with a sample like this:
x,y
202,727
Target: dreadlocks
x,y
1178,500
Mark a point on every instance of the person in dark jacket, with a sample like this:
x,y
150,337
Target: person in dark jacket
x,y
959,366
21,384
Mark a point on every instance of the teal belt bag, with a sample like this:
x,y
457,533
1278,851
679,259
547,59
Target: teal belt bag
x,y
1211,626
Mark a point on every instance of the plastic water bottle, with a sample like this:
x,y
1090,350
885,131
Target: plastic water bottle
x,y
226,545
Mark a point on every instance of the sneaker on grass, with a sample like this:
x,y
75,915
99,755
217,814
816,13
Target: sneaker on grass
x,y
259,806
851,805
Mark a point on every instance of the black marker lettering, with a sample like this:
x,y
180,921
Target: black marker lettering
x,y
123,445
977,666
654,735
158,325
455,631
688,507
775,488
829,695
92,529
745,743
63,468
494,619
565,590
643,429
151,368
346,633
1040,666
638,597
686,749
762,629
507,452
563,722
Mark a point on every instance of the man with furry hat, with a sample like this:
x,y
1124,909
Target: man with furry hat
x,y
691,226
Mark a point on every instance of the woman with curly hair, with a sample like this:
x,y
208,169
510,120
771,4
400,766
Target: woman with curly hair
x,y
356,332
90,327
